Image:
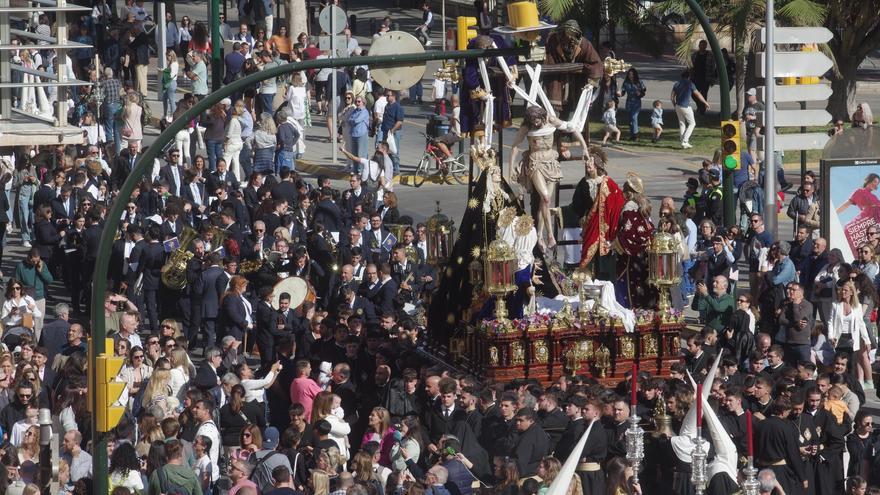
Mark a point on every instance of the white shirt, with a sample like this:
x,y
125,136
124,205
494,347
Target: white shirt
x,y
255,390
209,429
379,107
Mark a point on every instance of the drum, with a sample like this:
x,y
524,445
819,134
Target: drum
x,y
298,288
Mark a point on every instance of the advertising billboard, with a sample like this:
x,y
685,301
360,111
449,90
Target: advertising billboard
x,y
850,202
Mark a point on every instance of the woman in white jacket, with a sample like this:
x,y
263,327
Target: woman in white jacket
x,y
233,143
846,329
322,408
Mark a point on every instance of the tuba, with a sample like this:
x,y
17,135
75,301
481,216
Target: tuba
x,y
174,271
219,237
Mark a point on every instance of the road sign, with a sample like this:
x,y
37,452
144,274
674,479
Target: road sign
x,y
794,64
797,92
399,76
341,45
807,141
798,35
797,118
339,21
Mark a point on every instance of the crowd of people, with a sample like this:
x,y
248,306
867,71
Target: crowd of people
x,y
342,398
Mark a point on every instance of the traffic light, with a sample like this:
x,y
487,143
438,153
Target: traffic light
x,y
108,392
466,31
730,146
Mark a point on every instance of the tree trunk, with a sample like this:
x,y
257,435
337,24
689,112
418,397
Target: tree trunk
x,y
843,88
297,17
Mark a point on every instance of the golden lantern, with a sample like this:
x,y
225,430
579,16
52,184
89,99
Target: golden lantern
x,y
441,235
498,280
664,266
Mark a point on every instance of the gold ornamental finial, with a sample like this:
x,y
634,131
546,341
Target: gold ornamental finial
x,y
614,66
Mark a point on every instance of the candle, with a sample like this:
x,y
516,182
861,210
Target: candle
x,y
635,387
699,405
750,439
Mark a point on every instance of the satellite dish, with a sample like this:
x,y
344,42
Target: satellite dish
x,y
401,76
340,20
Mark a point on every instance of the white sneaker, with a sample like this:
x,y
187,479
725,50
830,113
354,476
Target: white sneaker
x,y
428,43
26,244
686,145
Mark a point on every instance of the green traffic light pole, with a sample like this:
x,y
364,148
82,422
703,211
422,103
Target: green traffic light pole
x,y
724,86
114,216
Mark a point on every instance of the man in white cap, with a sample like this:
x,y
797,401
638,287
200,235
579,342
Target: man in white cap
x,y
750,116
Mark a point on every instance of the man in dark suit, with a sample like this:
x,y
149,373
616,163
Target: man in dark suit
x,y
327,213
172,225
150,263
64,207
209,289
373,240
260,240
123,165
173,175
91,243
222,176
50,190
697,360
131,264
251,193
268,328
345,389
286,188
232,228
444,416
357,195
387,292
225,200
207,378
54,334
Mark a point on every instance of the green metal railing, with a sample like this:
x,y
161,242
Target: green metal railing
x,y
114,216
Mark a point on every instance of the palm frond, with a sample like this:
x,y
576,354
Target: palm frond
x,y
557,9
803,12
685,47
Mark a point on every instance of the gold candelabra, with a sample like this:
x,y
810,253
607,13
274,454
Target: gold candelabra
x,y
615,66
448,71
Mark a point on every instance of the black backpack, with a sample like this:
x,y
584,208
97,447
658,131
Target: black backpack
x,y
169,488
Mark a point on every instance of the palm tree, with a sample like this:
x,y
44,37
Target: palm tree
x,y
645,29
856,35
742,20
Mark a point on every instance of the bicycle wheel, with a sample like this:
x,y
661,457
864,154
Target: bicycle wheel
x,y
458,171
421,171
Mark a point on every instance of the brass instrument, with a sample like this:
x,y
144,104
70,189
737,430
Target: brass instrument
x,y
219,237
252,266
174,270
412,254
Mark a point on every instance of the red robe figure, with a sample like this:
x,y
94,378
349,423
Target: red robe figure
x,y
633,238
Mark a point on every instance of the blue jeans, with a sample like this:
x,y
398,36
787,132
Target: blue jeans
x,y
25,218
266,102
169,102
380,136
415,92
284,160
215,152
361,143
113,127
687,285
634,119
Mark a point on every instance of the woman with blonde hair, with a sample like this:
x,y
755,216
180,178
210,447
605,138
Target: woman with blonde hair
x,y
339,429
236,310
362,469
233,143
264,145
169,84
29,450
548,469
379,430
250,441
158,391
846,326
863,117
179,370
325,472
132,115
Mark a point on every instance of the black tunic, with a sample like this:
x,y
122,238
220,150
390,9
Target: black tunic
x,y
807,437
777,440
829,471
